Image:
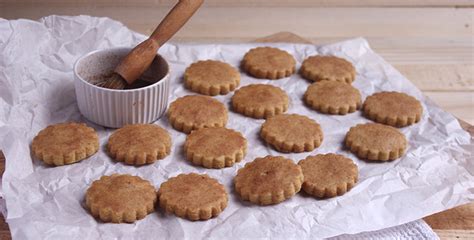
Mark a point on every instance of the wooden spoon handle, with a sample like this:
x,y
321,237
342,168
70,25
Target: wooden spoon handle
x,y
175,19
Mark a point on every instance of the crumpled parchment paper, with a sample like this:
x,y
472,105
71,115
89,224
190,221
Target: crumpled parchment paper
x,y
36,90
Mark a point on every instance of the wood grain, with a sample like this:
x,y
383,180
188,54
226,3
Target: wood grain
x,y
454,234
440,77
249,22
456,223
461,217
460,104
4,229
258,3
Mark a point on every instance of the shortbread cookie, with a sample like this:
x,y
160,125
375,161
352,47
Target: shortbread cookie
x,y
318,68
378,142
260,100
215,147
269,63
139,144
328,175
393,108
120,198
268,180
332,97
193,196
65,143
211,77
194,112
292,133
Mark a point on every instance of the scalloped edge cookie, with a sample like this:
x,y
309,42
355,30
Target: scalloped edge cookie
x,y
324,104
241,105
386,116
281,144
194,155
280,191
176,207
47,139
133,135
318,68
107,212
353,138
268,53
225,78
334,165
180,123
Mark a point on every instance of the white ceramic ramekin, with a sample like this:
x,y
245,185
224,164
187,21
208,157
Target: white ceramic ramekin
x,y
116,108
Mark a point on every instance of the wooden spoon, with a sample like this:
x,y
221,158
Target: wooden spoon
x,y
141,57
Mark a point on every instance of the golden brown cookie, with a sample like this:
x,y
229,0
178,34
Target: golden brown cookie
x,y
292,133
269,63
332,97
268,180
393,108
215,147
194,112
376,142
260,100
139,144
193,196
318,68
120,198
328,175
65,143
211,77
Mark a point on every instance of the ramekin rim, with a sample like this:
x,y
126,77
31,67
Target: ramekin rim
x,y
117,90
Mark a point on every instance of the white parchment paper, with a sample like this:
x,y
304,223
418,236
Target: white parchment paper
x,y
36,90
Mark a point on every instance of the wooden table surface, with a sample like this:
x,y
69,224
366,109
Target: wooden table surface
x,y
430,42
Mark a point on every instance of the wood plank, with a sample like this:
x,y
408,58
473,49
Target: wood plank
x,y
460,104
440,77
257,3
252,22
461,217
455,234
4,229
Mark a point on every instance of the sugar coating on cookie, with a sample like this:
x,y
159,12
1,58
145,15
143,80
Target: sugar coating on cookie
x,y
393,108
333,97
318,68
138,144
193,196
195,111
292,133
269,63
328,175
65,143
120,198
268,180
211,77
377,142
260,100
215,147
